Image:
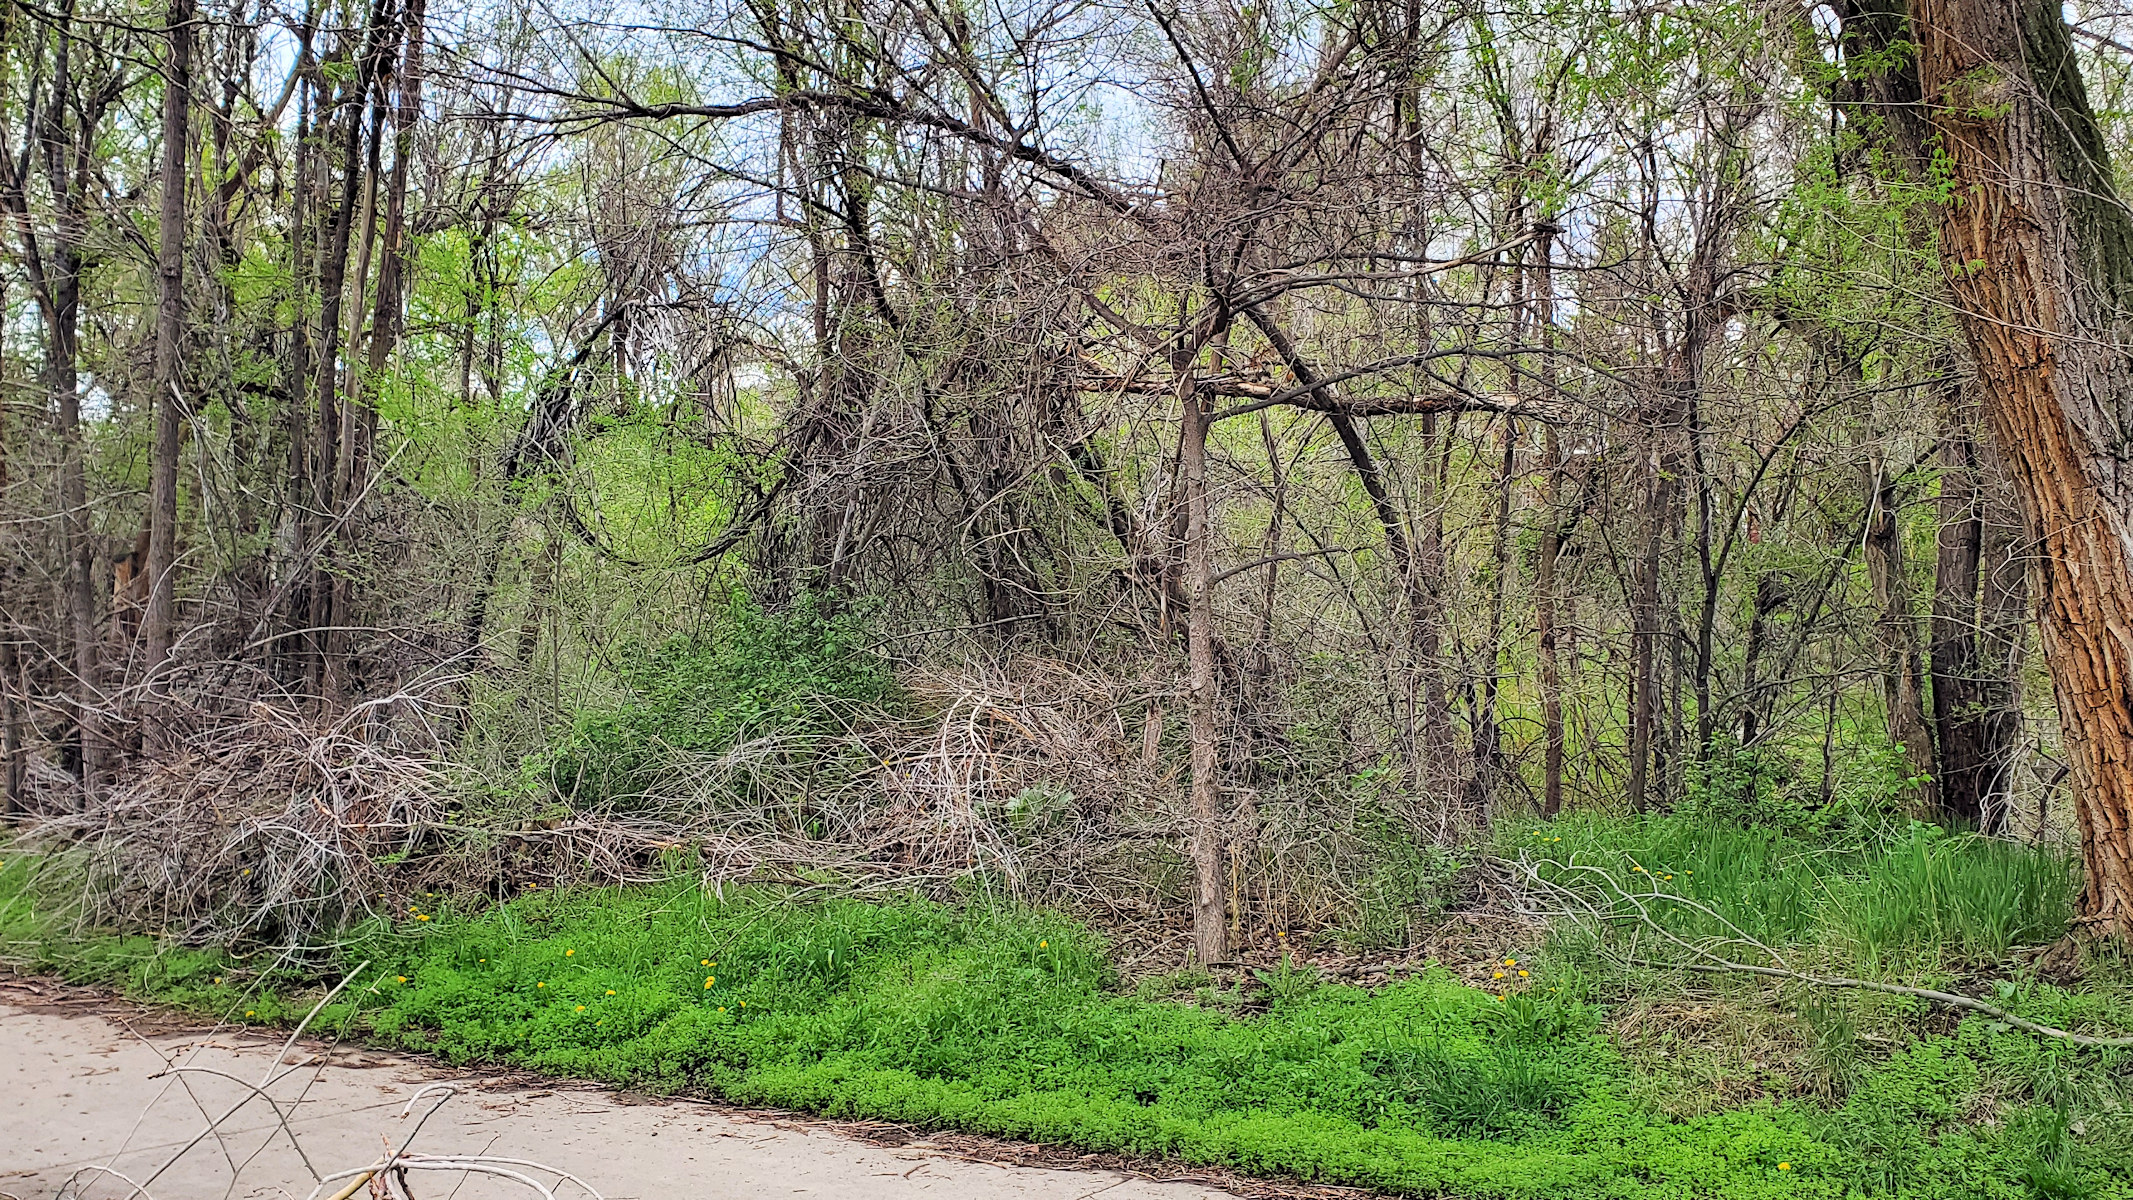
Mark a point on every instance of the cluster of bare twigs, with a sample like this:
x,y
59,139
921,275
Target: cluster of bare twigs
x,y
271,826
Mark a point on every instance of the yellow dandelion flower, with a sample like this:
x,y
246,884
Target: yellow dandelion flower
x,y
1497,975
1510,962
423,917
709,981
246,871
251,1012
540,985
400,978
1499,996
1041,944
218,979
744,1004
1636,868
1784,1166
581,1008
1524,975
610,991
722,1008
703,962
569,953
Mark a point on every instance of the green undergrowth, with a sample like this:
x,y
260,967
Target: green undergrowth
x,y
1879,899
1009,1021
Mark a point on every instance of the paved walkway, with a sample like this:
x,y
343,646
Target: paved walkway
x,y
87,1085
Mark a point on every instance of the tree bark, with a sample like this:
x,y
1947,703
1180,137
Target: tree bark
x,y
1896,631
1210,928
2039,250
1644,699
1550,551
170,329
1973,712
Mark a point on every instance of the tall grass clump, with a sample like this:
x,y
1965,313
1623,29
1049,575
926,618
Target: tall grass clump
x,y
1908,897
1929,896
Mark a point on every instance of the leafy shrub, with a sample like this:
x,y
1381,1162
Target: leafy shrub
x,y
754,674
1766,786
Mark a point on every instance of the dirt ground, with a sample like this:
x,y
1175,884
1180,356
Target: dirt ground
x,y
101,1096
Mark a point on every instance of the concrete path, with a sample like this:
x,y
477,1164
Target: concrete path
x,y
86,1084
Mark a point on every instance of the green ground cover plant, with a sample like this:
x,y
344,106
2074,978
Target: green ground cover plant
x,y
1010,1021
748,674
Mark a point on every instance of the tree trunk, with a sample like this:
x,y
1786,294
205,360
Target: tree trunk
x,y
1550,551
170,329
1896,631
1491,766
1970,712
1210,929
1770,592
2039,249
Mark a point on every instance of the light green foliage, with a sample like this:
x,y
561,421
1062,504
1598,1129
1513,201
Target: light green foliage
x,y
752,674
1909,895
1768,785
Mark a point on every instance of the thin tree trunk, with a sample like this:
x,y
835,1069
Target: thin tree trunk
x,y
1490,765
1896,630
2004,620
1644,626
1550,551
328,473
170,330
1952,649
62,382
1770,592
1210,929
2039,249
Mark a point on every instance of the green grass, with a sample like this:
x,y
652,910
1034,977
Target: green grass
x,y
1008,1021
1909,898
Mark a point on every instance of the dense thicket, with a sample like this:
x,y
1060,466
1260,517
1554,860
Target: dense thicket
x,y
1207,457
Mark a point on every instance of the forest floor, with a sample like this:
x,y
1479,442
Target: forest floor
x,y
91,1084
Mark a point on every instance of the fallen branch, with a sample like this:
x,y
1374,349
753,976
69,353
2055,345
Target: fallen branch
x,y
1951,999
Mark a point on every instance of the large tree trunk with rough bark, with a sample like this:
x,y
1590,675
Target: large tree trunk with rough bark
x,y
2039,251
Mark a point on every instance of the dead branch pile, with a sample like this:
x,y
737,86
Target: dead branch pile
x,y
1034,778
272,827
